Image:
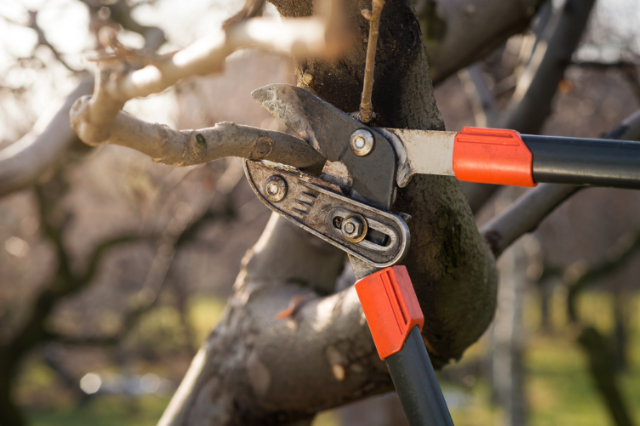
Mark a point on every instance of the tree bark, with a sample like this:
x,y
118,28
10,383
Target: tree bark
x,y
254,369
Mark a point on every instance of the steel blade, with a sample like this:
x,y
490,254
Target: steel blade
x,y
327,129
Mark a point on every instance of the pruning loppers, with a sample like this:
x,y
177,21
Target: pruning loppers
x,y
349,206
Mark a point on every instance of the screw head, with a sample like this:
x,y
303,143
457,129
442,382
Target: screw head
x,y
361,142
354,228
275,189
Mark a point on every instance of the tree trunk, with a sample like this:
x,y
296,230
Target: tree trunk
x,y
255,369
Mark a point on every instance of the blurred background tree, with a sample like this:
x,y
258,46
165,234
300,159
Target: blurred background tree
x,y
113,268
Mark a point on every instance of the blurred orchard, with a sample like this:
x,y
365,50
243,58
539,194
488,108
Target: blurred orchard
x,y
152,251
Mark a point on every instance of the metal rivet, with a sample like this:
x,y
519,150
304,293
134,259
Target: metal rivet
x,y
275,188
361,142
354,228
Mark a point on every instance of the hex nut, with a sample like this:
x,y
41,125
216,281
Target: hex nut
x,y
361,142
354,228
275,189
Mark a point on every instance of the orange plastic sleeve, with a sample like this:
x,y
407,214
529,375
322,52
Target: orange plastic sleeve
x,y
496,156
391,308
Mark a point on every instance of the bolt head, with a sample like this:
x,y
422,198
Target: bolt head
x,y
275,189
354,228
361,142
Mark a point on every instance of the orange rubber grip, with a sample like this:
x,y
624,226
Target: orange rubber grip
x,y
496,156
391,308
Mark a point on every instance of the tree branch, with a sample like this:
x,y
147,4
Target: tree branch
x,y
92,118
25,160
524,215
22,162
531,102
188,147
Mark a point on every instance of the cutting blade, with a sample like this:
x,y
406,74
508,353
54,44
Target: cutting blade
x,y
329,130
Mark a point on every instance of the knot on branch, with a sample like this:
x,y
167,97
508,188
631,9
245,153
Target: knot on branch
x,y
79,117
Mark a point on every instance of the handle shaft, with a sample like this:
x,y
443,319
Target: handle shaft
x,y
395,319
416,384
577,161
505,157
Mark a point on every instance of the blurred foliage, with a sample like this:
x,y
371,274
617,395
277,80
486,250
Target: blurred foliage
x,y
559,388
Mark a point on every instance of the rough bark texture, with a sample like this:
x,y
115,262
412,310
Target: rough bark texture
x,y
254,369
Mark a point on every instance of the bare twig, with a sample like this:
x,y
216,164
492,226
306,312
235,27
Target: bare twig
x,y
366,107
43,41
620,255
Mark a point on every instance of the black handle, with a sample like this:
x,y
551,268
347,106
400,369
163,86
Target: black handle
x,y
577,161
416,384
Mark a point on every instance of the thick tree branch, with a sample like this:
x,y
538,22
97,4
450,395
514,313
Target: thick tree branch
x,y
22,162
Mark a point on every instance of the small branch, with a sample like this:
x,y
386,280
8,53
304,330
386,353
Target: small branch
x,y
524,215
628,130
101,249
188,147
366,107
43,41
251,9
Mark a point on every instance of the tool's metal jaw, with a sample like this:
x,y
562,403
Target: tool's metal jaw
x,y
374,236
348,206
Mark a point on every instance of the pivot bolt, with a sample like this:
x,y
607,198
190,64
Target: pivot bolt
x,y
361,142
354,228
275,188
